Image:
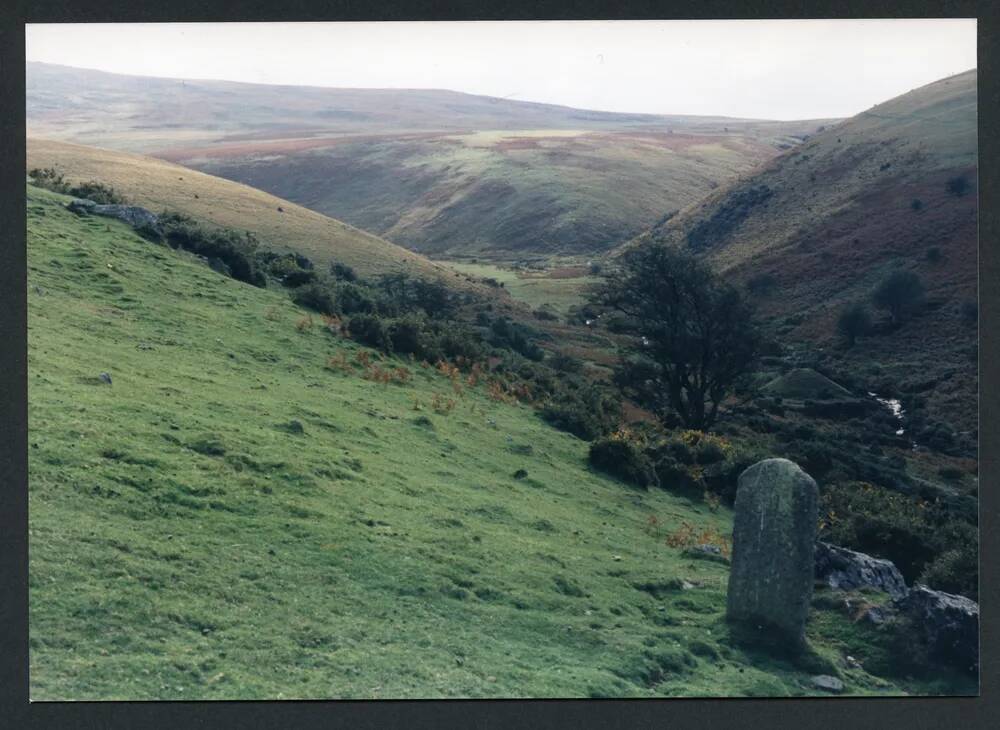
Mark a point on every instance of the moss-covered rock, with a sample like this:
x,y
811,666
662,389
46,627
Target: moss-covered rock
x,y
774,533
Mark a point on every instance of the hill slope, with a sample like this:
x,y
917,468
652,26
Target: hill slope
x,y
161,185
437,171
232,519
822,224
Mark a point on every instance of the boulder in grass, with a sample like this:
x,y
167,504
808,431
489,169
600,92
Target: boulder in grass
x,y
134,215
773,563
828,684
847,570
949,624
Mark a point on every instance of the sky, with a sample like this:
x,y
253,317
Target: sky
x,y
765,69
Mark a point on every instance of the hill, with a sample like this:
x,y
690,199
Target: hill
x,y
821,225
160,185
231,518
440,172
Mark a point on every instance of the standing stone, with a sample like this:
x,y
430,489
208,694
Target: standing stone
x,y
774,534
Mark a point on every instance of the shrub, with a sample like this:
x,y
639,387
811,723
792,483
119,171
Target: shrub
x,y
970,312
709,452
586,411
408,335
854,321
342,272
237,251
354,298
565,363
51,179
98,192
958,186
954,571
371,330
933,254
316,296
901,292
914,534
916,204
623,459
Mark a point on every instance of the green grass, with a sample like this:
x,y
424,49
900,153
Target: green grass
x,y
534,289
188,542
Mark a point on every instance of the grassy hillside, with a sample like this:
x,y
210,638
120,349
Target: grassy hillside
x,y
824,223
231,518
439,172
496,194
161,185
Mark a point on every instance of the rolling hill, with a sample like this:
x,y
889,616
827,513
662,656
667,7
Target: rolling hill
x,y
228,516
440,172
895,187
160,185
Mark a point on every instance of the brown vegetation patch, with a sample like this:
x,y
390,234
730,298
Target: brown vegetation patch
x,y
280,146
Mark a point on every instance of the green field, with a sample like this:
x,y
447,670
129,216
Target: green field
x,y
232,519
536,288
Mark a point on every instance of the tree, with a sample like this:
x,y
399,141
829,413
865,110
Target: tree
x,y
900,293
854,322
694,333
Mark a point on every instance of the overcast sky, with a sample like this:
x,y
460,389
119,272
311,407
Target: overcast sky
x,y
789,69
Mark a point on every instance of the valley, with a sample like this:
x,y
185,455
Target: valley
x,y
416,394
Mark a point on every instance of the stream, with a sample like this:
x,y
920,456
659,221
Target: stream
x,y
896,409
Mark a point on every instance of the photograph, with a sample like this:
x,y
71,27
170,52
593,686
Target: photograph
x,y
502,359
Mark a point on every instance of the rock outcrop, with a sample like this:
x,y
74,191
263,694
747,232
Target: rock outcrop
x,y
134,215
950,625
848,570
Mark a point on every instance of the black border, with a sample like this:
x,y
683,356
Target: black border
x,y
912,713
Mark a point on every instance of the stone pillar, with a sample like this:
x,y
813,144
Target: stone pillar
x,y
774,536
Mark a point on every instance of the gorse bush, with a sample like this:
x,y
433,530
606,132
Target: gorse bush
x,y
586,413
51,179
237,251
924,539
622,458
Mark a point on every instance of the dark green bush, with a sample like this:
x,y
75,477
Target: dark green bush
x,y
958,186
709,452
854,322
924,539
955,570
409,335
370,329
342,272
566,363
317,296
354,298
586,413
901,293
51,179
237,251
98,192
624,460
